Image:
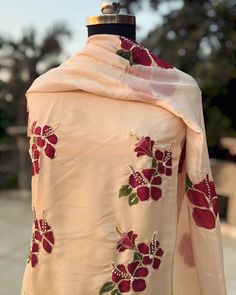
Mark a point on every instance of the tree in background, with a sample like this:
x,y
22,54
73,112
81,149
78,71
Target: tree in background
x,y
21,62
199,38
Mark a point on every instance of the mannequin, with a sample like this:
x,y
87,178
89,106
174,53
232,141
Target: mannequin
x,y
111,22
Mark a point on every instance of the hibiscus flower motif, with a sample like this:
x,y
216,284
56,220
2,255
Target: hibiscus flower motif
x,y
35,155
46,139
42,138
152,253
33,254
130,277
137,54
127,241
203,196
42,234
147,184
164,162
144,146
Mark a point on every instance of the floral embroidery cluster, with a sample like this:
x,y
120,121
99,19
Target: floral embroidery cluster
x,y
43,139
205,202
42,234
135,53
144,185
131,277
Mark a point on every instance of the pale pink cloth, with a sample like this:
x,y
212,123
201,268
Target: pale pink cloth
x,y
100,108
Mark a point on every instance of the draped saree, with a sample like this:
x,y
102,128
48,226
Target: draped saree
x,y
122,192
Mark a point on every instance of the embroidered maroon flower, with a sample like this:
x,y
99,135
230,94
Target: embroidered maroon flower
x,y
33,254
42,234
144,146
140,55
42,138
203,195
164,165
130,277
35,155
46,138
127,241
151,254
147,184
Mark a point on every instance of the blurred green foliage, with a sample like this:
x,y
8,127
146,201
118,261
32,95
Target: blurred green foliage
x,y
21,62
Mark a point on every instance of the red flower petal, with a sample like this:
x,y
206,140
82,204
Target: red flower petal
x,y
148,173
140,56
160,168
204,218
36,155
35,247
44,225
147,260
202,186
156,263
115,277
37,131
133,181
139,285
49,236
132,266
168,172
156,193
159,252
159,155
47,246
125,44
144,146
34,260
143,193
141,272
38,235
40,142
124,286
49,151
156,180
161,63
143,248
197,198
52,138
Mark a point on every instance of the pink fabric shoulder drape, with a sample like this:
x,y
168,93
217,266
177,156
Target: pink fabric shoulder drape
x,y
122,190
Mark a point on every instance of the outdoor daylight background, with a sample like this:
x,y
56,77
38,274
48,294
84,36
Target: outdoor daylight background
x,y
198,37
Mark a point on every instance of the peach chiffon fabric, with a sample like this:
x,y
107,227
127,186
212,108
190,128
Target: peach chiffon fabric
x,y
100,109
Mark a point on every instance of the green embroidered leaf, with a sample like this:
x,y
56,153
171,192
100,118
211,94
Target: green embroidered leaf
x,y
189,183
124,53
154,163
125,190
137,256
133,199
106,287
115,292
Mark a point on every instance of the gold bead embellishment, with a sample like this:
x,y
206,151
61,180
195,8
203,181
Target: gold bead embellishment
x,y
120,273
44,223
137,176
118,230
133,135
169,151
153,247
